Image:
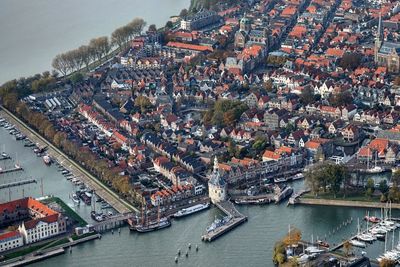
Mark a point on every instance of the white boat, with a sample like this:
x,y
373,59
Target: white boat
x,y
75,198
313,250
357,243
279,180
298,176
191,210
366,237
376,169
46,159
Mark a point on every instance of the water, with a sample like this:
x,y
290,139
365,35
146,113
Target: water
x,y
250,244
33,32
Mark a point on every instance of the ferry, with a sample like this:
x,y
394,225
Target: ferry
x,y
191,210
283,193
47,160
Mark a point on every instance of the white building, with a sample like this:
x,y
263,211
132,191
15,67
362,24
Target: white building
x,y
217,187
11,240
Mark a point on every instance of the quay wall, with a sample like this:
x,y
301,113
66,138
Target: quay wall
x,y
344,203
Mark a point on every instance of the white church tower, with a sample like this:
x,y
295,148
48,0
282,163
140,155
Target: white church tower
x,y
216,185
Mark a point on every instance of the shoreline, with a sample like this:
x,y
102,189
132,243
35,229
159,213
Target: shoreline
x,y
344,203
104,192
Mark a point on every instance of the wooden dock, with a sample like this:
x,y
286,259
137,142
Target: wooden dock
x,y
11,170
237,218
14,184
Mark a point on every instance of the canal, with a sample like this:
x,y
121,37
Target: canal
x,y
250,244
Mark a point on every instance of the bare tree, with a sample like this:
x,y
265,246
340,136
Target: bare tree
x,y
60,63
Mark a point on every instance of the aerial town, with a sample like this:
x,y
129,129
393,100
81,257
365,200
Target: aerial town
x,y
227,106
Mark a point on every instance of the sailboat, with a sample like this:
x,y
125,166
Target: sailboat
x,y
146,226
375,169
366,237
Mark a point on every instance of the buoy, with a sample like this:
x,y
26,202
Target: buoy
x,y
176,259
190,246
187,254
197,248
112,231
179,252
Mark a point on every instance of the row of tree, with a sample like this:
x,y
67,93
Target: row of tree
x,y
97,48
100,167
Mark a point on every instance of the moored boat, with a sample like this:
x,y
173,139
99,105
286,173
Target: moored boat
x,y
47,159
191,210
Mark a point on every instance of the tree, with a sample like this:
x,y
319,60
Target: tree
x,y
370,187
152,28
84,51
383,187
347,247
341,99
269,86
142,102
397,81
76,77
169,25
279,253
350,61
307,95
293,237
60,63
184,13
387,263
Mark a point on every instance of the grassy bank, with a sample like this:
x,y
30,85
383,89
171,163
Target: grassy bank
x,y
68,211
341,196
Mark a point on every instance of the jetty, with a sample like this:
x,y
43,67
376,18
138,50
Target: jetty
x,y
295,197
14,184
4,157
15,169
237,218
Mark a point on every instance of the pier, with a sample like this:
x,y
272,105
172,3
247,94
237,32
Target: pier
x,y
112,222
14,184
229,209
4,158
15,169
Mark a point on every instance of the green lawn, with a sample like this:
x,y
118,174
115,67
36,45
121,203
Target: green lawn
x,y
70,212
25,251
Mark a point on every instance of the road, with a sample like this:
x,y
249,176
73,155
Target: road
x,y
119,204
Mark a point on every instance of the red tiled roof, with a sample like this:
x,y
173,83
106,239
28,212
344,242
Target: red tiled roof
x,y
9,235
189,46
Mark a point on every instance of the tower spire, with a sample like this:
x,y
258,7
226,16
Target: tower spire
x,y
215,164
380,30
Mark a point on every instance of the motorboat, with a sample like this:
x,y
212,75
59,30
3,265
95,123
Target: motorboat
x,y
357,243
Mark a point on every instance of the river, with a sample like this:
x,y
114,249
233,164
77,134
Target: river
x,y
33,32
250,244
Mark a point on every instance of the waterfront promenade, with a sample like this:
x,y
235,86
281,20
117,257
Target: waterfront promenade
x,y
344,203
102,190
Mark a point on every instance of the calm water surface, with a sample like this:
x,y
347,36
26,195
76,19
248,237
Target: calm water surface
x,y
32,32
250,244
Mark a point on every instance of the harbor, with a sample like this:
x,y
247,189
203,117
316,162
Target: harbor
x,y
265,224
108,195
